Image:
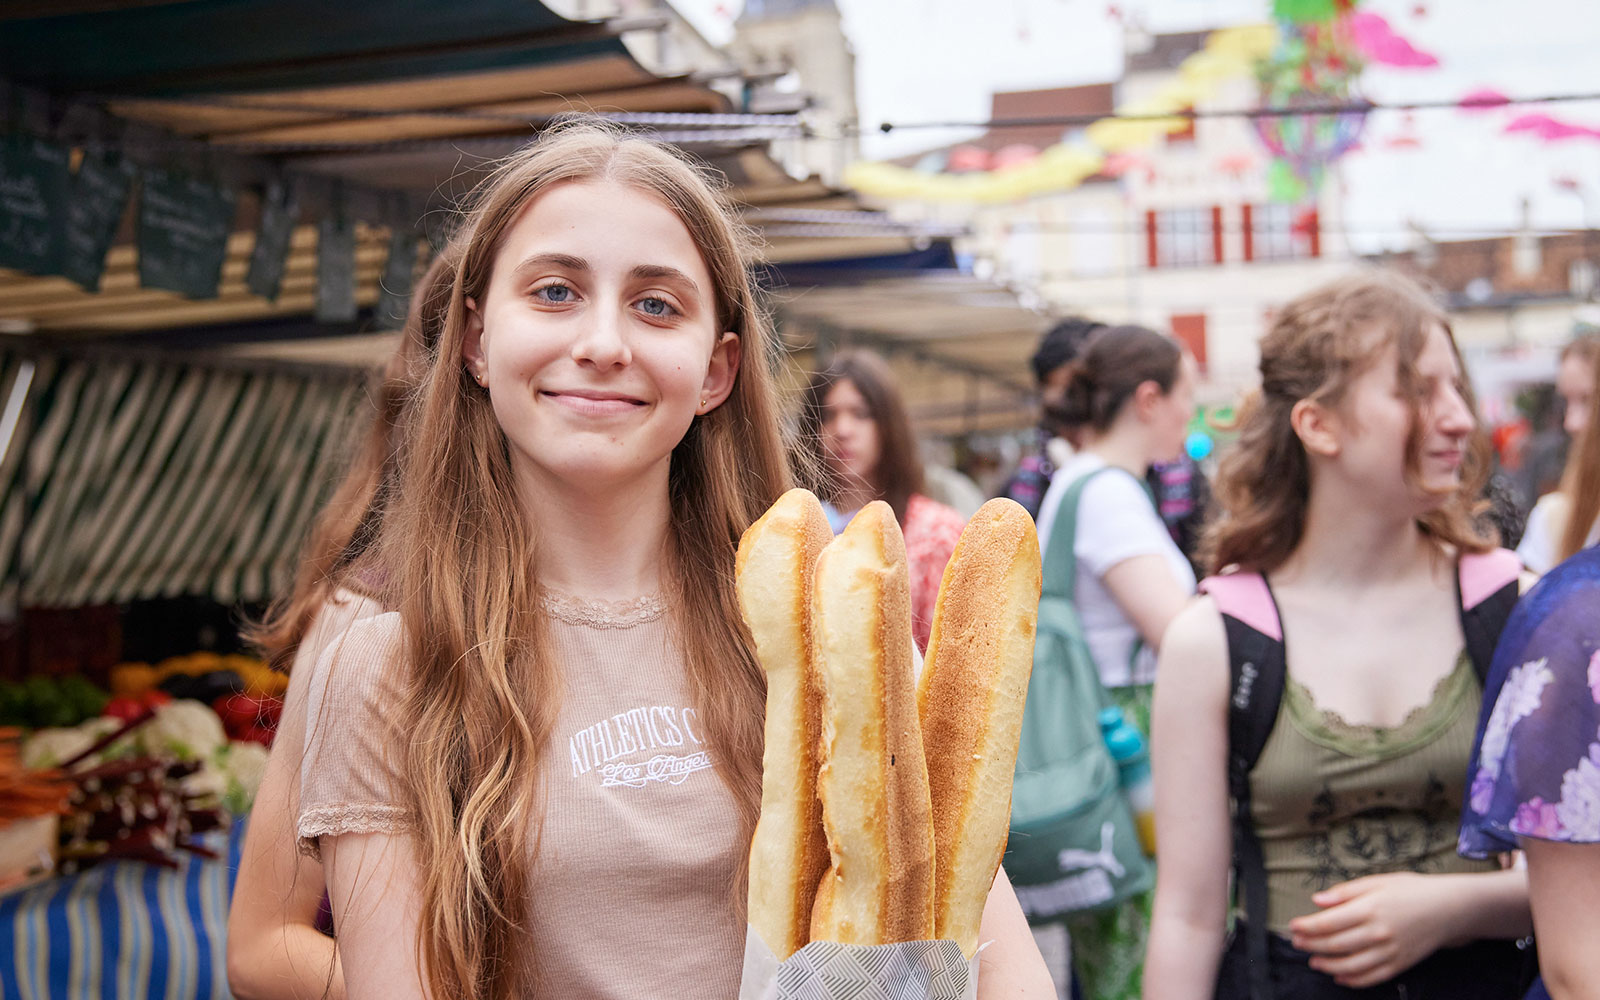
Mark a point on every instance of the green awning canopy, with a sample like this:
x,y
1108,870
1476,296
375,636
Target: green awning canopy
x,y
132,479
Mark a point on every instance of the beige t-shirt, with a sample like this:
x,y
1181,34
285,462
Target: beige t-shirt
x,y
640,845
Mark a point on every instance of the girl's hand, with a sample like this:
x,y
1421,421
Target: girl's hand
x,y
1372,929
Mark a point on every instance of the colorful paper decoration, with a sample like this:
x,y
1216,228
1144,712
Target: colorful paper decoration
x,y
1229,54
1379,43
1551,129
1315,64
1484,99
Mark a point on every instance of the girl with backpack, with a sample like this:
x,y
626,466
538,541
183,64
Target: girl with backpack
x,y
533,760
1128,399
1329,683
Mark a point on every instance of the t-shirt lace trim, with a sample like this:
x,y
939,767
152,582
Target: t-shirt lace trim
x,y
601,614
330,821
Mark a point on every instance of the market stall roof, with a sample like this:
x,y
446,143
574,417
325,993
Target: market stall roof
x,y
379,103
961,344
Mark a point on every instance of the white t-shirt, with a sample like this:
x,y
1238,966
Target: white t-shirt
x,y
1542,537
1116,522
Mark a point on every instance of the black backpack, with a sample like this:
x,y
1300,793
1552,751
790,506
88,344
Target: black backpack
x,y
1486,586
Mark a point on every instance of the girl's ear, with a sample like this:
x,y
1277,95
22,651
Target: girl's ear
x,y
720,373
1146,396
472,346
1317,427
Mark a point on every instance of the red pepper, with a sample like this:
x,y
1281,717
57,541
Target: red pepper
x,y
124,708
259,734
241,713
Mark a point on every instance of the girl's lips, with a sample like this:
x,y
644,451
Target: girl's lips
x,y
594,404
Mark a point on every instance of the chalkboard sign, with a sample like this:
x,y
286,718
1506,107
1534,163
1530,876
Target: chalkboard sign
x,y
336,270
394,289
280,209
34,185
99,196
183,233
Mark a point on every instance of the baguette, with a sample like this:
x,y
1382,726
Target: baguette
x,y
873,782
775,570
970,699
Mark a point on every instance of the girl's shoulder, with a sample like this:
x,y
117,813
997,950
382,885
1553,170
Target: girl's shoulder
x,y
354,647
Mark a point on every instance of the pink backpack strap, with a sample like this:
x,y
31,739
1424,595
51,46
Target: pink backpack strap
x,y
1483,574
1245,596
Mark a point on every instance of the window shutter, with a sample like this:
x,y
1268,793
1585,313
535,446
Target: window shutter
x,y
1247,223
1190,329
1216,234
1152,253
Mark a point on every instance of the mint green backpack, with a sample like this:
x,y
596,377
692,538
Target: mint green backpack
x,y
1073,844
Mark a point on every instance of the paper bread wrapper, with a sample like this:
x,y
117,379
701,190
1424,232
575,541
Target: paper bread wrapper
x,y
823,970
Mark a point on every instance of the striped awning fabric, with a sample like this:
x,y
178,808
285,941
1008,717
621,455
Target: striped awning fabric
x,y
129,479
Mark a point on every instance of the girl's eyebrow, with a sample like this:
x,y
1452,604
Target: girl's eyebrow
x,y
660,272
563,261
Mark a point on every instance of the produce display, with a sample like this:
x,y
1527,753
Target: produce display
x,y
31,804
50,701
134,773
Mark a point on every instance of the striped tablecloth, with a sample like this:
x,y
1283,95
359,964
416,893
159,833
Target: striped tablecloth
x,y
125,930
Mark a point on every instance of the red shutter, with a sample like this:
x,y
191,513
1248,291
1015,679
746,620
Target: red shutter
x,y
1216,234
1314,231
1190,329
1151,250
1247,223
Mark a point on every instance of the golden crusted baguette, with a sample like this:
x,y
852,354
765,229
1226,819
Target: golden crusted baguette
x,y
874,779
970,698
775,569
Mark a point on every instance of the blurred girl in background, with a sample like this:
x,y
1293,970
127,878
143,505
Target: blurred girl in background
x,y
855,429
1126,400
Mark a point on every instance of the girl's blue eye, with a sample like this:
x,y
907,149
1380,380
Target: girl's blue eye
x,y
655,307
555,293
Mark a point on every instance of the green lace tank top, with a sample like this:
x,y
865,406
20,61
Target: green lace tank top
x,y
1334,801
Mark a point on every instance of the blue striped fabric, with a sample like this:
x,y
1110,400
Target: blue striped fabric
x,y
123,931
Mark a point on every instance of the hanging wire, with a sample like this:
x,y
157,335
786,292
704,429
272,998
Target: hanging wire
x,y
1342,107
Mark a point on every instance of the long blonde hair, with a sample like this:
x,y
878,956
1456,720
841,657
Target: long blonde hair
x,y
1317,347
347,525
1581,481
457,547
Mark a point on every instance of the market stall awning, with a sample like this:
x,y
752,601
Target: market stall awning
x,y
127,479
960,344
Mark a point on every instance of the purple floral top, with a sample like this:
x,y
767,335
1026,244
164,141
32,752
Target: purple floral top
x,y
1536,766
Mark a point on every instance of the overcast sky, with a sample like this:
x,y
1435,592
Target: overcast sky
x,y
940,60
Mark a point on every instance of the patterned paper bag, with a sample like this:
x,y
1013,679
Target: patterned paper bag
x,y
823,970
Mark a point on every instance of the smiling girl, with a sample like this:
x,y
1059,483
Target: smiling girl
x,y
1348,526
532,764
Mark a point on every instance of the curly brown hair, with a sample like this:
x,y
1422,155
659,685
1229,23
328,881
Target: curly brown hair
x,y
1317,347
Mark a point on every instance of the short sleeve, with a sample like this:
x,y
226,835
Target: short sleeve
x,y
1536,767
1539,540
1117,522
348,777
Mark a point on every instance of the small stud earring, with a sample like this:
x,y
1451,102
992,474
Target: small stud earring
x,y
703,401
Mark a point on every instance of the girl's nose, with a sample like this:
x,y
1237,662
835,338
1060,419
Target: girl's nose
x,y
602,343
